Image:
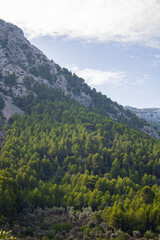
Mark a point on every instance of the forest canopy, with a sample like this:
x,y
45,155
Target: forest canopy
x,y
62,154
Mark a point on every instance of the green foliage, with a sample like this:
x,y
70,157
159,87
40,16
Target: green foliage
x,y
6,235
30,231
156,125
149,235
147,194
28,81
136,234
10,80
8,194
1,76
47,238
42,71
63,154
1,103
67,226
122,236
34,71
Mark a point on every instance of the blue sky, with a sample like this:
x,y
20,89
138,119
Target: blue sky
x,y
113,44
137,73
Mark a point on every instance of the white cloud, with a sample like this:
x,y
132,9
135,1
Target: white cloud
x,y
95,77
134,56
154,64
100,20
139,82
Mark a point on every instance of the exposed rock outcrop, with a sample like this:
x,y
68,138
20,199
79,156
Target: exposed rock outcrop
x,y
19,60
151,115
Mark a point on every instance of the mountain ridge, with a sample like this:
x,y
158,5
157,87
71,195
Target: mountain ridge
x,y
151,115
22,65
20,59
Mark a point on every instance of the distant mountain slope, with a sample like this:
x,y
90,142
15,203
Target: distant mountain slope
x,y
22,66
151,115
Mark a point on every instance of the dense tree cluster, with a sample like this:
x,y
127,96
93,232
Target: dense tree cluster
x,y
61,154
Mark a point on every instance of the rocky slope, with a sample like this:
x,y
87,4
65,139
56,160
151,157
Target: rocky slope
x,y
22,65
151,115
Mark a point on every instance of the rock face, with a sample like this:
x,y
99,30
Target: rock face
x,y
151,115
22,65
151,131
10,108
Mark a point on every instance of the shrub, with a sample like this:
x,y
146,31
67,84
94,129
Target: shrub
x,y
108,233
28,82
59,227
136,234
1,76
158,229
10,80
149,235
6,235
1,103
122,236
29,231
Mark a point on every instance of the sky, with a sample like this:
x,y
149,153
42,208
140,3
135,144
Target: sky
x,y
113,44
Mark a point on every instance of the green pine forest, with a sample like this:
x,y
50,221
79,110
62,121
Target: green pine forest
x,y
63,155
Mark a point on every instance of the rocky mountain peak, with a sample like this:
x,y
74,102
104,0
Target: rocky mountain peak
x,y
8,29
13,41
22,64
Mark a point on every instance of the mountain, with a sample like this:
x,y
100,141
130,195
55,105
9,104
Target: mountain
x,y
22,66
151,115
73,164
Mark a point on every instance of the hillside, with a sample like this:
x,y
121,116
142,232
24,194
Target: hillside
x,y
60,154
22,66
73,164
151,115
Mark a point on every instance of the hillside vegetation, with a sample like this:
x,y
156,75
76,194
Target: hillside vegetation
x,y
74,165
62,154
